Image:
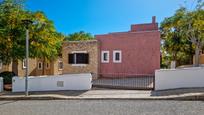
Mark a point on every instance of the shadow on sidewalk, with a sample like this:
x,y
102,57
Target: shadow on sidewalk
x,y
179,91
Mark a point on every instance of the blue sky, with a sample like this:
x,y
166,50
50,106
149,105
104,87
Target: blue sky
x,y
103,16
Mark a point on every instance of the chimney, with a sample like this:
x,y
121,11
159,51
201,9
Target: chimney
x,y
153,19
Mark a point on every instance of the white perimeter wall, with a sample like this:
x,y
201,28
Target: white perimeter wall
x,y
1,84
53,83
179,78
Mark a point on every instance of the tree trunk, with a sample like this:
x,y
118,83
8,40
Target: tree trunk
x,y
191,55
197,56
173,64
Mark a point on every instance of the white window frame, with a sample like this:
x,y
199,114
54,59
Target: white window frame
x,y
114,55
74,52
102,56
47,65
24,63
1,65
59,65
41,65
81,65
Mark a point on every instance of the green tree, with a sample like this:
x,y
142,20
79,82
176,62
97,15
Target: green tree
x,y
45,41
193,27
11,31
182,33
175,46
79,36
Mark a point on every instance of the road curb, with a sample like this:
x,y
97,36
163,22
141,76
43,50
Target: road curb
x,y
186,98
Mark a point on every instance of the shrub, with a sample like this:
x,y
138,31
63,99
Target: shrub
x,y
7,77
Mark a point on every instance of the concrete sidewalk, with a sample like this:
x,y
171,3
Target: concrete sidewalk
x,y
108,94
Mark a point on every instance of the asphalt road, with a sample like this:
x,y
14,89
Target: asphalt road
x,y
101,107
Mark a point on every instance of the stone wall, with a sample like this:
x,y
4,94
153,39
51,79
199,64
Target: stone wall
x,y
91,47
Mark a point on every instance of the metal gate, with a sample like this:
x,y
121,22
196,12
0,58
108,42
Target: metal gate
x,y
125,81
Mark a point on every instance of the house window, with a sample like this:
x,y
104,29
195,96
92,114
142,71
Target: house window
x,y
47,65
1,65
24,63
117,56
40,65
78,59
60,65
105,56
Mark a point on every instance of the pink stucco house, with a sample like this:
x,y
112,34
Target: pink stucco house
x,y
133,52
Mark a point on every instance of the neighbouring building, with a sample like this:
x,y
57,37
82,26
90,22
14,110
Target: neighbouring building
x,y
134,52
36,67
80,57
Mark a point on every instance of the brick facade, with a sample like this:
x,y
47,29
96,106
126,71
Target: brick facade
x,y
89,47
18,69
32,68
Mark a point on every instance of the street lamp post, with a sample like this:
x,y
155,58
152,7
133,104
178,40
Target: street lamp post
x,y
27,23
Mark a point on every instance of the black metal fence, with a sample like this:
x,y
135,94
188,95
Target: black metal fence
x,y
125,81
